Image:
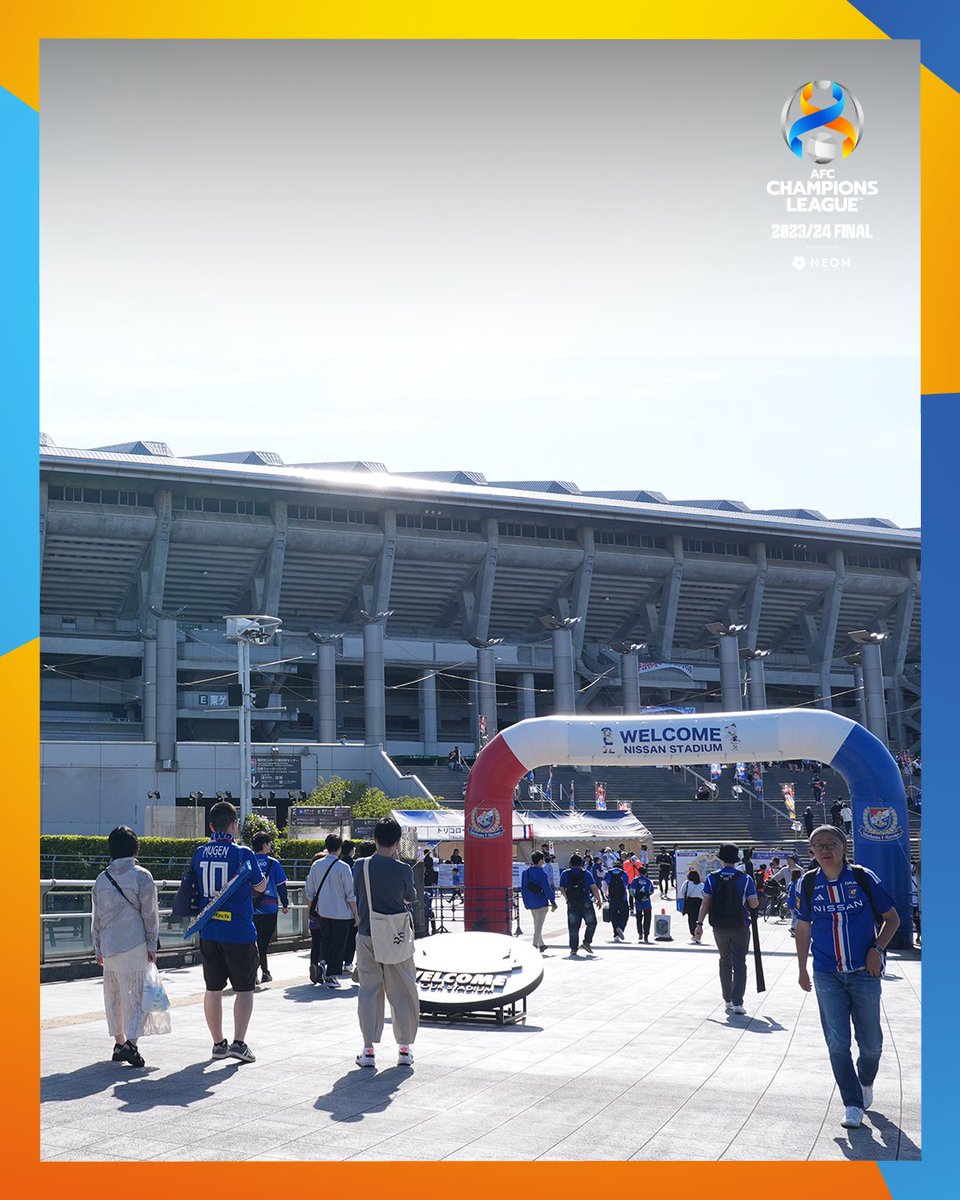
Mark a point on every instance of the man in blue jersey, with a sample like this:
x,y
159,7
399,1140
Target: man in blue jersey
x,y
642,888
728,897
228,942
840,909
273,897
581,893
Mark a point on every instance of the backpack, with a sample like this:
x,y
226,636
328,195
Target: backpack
x,y
726,901
860,875
576,887
615,887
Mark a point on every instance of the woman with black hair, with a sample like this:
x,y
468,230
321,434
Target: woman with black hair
x,y
691,893
126,927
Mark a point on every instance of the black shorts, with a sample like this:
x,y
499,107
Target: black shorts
x,y
236,961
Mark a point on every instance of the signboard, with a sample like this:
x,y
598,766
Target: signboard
x,y
213,700
471,972
318,814
361,829
277,771
450,875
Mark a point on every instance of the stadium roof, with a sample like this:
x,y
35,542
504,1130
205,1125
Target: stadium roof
x,y
461,486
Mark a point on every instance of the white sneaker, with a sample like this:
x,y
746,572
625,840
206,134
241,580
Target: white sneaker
x,y
867,1089
366,1058
405,1058
852,1117
728,1005
738,1009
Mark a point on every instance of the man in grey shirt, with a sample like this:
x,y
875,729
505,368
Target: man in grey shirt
x,y
329,890
392,891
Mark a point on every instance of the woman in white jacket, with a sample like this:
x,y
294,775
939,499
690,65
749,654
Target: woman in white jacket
x,y
126,926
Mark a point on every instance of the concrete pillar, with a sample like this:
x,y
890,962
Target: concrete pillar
x,y
326,692
487,690
630,682
756,684
148,689
873,690
861,702
528,696
374,695
166,689
564,692
729,653
428,712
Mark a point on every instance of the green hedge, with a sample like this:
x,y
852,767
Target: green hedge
x,y
96,847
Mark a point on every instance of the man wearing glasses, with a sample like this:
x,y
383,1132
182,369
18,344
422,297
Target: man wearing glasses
x,y
840,909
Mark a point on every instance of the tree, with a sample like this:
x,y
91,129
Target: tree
x,y
375,803
257,824
336,791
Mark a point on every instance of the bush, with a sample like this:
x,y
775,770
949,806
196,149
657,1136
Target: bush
x,y
257,824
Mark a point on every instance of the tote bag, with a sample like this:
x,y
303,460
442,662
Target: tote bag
x,y
392,933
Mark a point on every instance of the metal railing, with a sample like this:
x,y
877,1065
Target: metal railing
x,y
66,920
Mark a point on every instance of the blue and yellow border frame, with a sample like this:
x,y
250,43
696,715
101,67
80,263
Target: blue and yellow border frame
x,y
22,26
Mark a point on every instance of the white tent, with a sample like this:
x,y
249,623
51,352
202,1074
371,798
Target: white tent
x,y
583,831
445,825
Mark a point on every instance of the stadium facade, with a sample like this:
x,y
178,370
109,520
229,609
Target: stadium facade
x,y
415,604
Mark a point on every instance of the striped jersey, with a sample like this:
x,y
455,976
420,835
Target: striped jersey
x,y
843,921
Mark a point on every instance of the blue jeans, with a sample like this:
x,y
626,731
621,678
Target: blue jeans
x,y
576,914
854,996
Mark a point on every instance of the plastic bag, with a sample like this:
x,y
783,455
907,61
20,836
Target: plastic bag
x,y
154,998
156,1022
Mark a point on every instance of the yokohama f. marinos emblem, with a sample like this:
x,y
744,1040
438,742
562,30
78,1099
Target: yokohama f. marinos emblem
x,y
485,823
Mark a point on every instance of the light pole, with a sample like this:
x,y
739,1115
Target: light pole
x,y
246,632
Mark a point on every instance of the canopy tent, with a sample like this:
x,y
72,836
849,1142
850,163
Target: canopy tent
x,y
445,825
585,831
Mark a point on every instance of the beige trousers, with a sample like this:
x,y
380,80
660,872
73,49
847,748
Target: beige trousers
x,y
539,916
397,982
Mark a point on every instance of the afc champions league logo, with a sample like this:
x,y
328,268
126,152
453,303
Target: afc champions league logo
x,y
822,121
485,823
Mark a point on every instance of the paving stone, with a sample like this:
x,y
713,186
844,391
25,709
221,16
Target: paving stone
x,y
623,1056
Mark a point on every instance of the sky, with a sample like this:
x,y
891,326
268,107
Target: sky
x,y
532,260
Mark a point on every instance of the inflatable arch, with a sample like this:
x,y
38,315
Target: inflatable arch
x,y
880,831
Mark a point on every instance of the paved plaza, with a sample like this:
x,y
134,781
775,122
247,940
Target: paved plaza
x,y
629,1055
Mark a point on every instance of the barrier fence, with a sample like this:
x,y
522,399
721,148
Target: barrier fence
x,y
66,917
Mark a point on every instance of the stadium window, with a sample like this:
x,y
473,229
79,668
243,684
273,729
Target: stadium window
x,y
109,496
260,509
228,506
55,492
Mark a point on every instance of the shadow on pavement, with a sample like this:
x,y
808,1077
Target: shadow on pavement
x,y
362,1092
309,993
863,1145
87,1081
179,1090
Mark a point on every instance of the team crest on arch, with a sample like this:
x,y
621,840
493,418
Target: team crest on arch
x,y
485,823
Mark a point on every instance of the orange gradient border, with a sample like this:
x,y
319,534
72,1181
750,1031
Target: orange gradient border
x,y
22,27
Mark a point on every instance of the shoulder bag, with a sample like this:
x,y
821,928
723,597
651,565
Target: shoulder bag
x,y
392,933
312,911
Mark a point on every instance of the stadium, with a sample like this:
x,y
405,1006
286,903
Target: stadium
x,y
424,611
